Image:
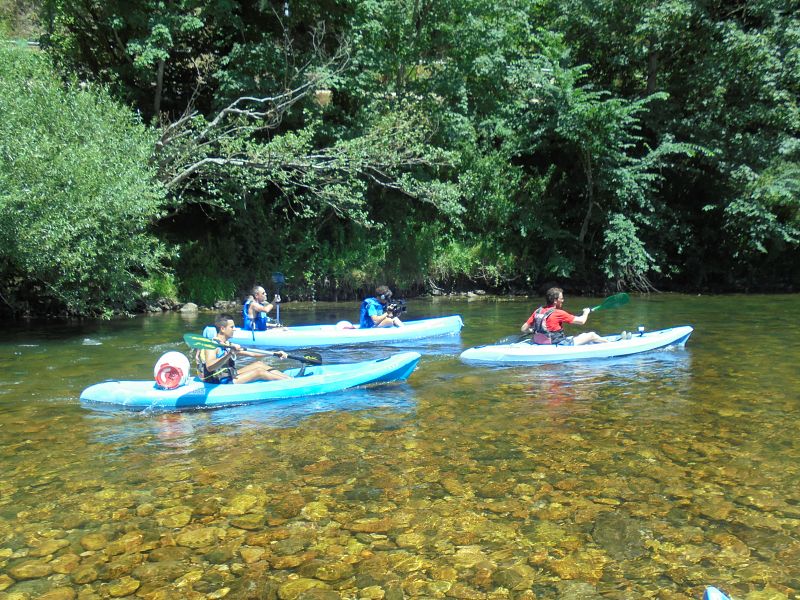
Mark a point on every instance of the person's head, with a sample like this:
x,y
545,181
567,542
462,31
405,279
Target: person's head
x,y
553,296
258,293
224,324
383,293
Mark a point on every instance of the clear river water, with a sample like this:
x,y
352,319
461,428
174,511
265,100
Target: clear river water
x,y
648,477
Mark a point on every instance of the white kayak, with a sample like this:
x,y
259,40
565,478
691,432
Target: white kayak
x,y
528,353
317,336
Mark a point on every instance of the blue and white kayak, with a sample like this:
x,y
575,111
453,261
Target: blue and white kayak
x,y
317,336
713,593
527,353
322,379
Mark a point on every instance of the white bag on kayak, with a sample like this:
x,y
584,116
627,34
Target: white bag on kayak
x,y
171,371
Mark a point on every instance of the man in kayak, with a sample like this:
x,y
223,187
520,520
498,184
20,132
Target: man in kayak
x,y
546,323
219,365
255,309
377,311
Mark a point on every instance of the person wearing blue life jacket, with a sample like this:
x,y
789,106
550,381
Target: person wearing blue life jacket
x,y
255,309
218,365
376,310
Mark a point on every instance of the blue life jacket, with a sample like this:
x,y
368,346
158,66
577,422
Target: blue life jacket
x,y
257,324
366,314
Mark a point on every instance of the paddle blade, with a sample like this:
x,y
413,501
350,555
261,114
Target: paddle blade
x,y
278,279
200,342
308,357
613,301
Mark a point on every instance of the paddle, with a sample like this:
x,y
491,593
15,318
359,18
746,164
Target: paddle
x,y
278,279
203,343
614,301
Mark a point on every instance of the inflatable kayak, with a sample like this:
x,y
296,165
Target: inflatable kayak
x,y
322,379
316,336
527,353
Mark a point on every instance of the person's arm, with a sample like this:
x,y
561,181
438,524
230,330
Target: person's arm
x,y
582,318
527,326
257,308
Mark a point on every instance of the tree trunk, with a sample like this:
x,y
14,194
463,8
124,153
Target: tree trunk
x,y
587,169
652,67
159,89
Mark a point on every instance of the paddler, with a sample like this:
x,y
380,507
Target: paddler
x,y
218,365
379,311
256,308
546,323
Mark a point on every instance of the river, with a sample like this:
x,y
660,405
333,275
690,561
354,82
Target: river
x,y
648,477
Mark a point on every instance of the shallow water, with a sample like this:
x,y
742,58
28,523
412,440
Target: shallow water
x,y
645,477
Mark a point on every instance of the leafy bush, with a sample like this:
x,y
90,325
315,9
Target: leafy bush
x,y
77,197
160,285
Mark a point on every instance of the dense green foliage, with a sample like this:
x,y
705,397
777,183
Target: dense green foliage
x,y
502,143
76,195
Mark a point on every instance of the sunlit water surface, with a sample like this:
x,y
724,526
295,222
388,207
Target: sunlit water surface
x,y
647,477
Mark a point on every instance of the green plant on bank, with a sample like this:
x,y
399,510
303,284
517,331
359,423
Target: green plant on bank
x,y
208,267
160,285
77,194
205,289
19,19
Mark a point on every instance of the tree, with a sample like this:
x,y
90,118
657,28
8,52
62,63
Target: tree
x,y
77,198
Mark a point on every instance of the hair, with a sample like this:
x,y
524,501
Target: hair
x,y
256,289
221,321
552,295
384,291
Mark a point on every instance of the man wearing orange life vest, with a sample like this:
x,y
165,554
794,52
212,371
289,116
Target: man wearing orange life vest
x,y
546,323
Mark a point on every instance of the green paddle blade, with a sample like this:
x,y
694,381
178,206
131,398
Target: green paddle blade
x,y
308,357
613,302
200,342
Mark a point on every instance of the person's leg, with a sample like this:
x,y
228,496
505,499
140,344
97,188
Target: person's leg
x,y
589,337
258,371
395,322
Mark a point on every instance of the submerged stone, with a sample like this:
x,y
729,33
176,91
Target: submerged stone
x,y
124,587
619,535
94,541
293,589
30,570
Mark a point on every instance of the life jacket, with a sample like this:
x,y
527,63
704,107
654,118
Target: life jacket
x,y
257,324
542,335
222,374
365,319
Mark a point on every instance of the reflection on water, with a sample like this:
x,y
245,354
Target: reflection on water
x,y
641,477
179,429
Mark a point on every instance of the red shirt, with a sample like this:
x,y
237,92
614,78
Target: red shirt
x,y
554,321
